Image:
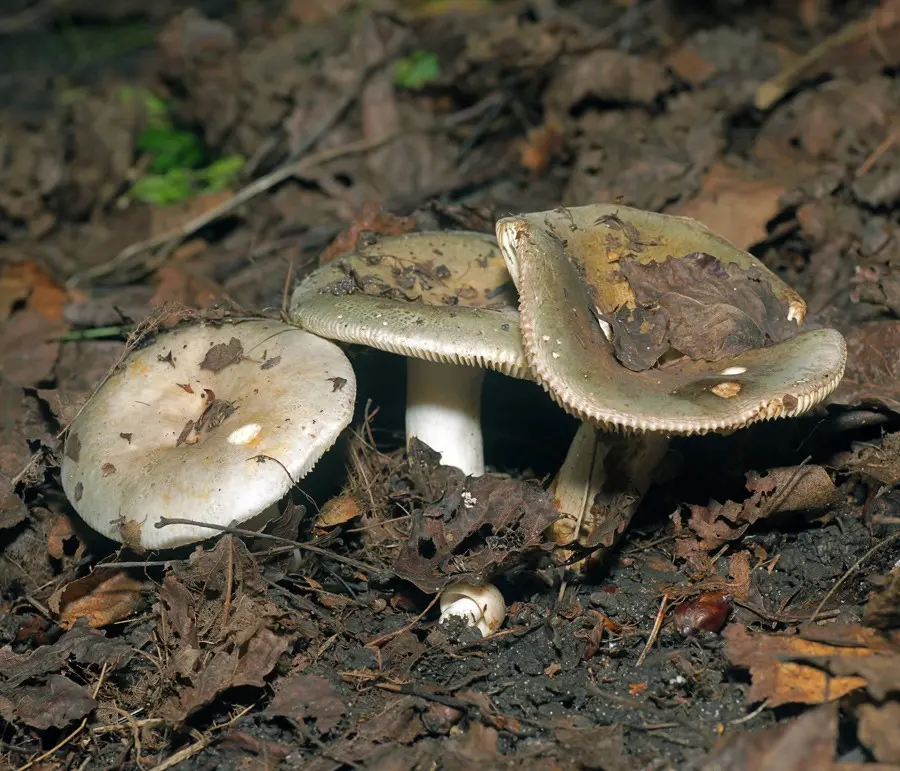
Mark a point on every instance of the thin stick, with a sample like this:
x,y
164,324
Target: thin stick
x,y
379,641
229,586
165,521
849,572
654,633
201,744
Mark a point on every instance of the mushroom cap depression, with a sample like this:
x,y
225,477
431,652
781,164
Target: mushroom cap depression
x,y
645,321
208,423
439,296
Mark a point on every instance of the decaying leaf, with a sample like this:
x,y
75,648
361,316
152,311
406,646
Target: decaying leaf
x,y
103,597
873,366
55,704
698,306
878,730
801,744
308,697
800,670
475,526
791,488
222,355
80,643
337,511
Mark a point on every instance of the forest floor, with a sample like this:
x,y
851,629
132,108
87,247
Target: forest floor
x,y
159,162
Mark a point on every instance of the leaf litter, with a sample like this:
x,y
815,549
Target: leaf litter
x,y
748,617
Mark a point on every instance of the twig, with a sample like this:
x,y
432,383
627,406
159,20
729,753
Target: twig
x,y
166,521
377,642
63,742
293,168
229,586
201,744
850,571
654,633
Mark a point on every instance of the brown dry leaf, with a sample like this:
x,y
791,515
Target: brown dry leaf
x,y
718,311
337,511
541,144
873,366
370,220
14,452
237,665
56,704
780,674
80,643
609,75
878,730
308,697
223,355
164,219
735,205
60,531
28,347
807,742
476,526
791,488
103,598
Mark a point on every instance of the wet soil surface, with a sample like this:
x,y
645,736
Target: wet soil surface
x,y
163,164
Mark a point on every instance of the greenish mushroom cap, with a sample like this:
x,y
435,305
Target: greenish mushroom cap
x,y
582,270
439,296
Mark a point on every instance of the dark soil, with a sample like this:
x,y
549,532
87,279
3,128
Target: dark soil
x,y
749,616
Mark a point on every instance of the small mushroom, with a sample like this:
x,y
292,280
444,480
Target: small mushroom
x,y
212,423
576,271
446,302
479,605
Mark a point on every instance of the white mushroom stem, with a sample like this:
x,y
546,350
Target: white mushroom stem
x,y
479,605
443,410
583,475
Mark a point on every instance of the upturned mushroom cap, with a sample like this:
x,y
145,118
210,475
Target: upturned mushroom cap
x,y
208,423
479,605
570,268
439,296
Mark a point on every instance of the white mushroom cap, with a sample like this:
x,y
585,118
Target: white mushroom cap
x,y
479,605
209,423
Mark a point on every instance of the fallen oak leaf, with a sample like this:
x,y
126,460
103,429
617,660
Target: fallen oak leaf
x,y
780,674
103,598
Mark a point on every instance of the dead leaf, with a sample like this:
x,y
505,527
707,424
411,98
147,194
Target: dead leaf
x,y
737,205
337,511
223,355
792,488
103,597
308,697
60,532
370,220
541,144
80,643
56,704
804,743
697,305
872,376
476,526
878,730
781,675
236,666
28,347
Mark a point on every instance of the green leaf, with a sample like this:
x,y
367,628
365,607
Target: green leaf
x,y
161,189
222,173
171,148
417,70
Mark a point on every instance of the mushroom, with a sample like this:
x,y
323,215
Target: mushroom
x,y
446,302
212,423
584,274
479,605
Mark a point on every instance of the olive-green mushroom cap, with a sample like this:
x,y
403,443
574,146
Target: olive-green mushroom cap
x,y
570,270
438,296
